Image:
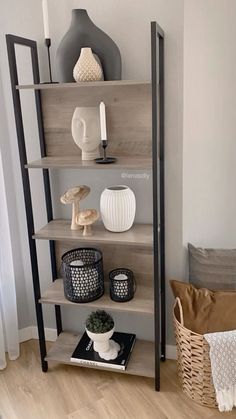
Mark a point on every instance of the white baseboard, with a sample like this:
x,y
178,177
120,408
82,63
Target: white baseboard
x,y
171,352
25,334
31,332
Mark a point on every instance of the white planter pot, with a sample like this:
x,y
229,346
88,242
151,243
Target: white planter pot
x,y
100,340
118,207
106,348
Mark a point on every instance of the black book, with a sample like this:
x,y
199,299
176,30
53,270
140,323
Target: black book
x,y
85,355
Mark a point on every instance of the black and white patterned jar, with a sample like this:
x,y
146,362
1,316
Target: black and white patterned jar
x,y
122,285
82,271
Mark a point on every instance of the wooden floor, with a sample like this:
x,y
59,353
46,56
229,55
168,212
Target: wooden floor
x,y
66,392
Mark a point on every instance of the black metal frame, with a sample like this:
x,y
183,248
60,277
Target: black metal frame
x,y
157,45
12,41
158,171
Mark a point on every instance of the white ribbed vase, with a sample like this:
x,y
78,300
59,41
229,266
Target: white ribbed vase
x,y
87,67
118,206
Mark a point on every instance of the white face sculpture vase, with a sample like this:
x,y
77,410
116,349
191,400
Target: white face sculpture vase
x,y
85,128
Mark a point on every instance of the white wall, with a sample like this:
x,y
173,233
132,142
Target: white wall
x,y
127,22
209,150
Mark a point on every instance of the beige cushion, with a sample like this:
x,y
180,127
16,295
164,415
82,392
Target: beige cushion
x,y
204,310
212,268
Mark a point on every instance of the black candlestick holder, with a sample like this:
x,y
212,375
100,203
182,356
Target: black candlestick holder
x,y
105,159
48,45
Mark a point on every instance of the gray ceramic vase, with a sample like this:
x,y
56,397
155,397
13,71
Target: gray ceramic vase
x,y
83,33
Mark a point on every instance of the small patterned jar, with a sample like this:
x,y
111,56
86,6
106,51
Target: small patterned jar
x,y
118,207
122,285
82,271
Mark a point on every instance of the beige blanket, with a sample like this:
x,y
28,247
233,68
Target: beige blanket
x,y
223,367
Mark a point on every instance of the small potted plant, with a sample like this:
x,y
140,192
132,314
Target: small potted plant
x,y
100,328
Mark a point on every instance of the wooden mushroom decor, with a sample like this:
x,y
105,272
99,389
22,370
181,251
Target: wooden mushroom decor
x,y
74,196
86,218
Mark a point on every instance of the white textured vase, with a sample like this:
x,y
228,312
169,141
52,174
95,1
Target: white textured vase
x,y
118,207
87,67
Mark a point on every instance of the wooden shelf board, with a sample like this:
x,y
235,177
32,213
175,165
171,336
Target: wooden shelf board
x,y
138,235
143,301
141,361
71,162
47,86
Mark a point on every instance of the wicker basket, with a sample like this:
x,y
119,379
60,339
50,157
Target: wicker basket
x,y
194,367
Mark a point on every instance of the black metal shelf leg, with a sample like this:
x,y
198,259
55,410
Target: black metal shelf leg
x,y
11,42
162,197
157,59
46,177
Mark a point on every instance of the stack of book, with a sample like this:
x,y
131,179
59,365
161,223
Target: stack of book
x,y
85,355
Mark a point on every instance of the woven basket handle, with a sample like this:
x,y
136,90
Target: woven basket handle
x,y
181,315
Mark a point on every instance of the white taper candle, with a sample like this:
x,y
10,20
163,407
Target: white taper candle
x,y
103,121
45,19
